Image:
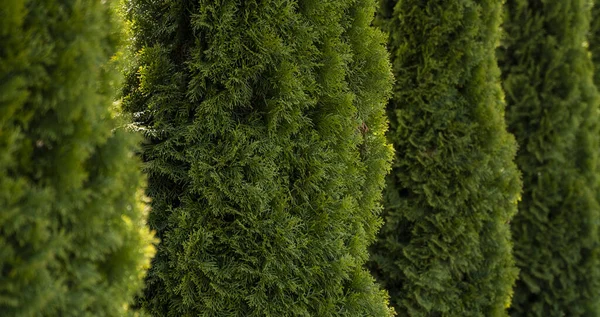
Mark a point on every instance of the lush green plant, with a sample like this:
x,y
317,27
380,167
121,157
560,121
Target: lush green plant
x,y
594,41
445,249
72,235
552,108
265,152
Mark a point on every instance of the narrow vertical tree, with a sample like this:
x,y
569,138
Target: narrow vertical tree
x,y
73,240
552,108
445,249
265,151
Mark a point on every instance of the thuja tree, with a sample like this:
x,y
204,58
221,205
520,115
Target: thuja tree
x,y
445,249
552,108
72,234
594,41
265,151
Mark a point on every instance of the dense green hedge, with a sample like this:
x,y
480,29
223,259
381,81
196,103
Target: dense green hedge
x,y
72,234
552,108
445,249
265,151
594,41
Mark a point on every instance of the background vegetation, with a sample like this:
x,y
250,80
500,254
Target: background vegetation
x,y
445,247
553,112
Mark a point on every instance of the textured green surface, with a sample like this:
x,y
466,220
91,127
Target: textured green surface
x,y
72,235
552,108
594,41
445,249
265,151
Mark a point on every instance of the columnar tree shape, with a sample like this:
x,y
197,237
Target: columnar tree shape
x,y
552,108
265,151
445,249
72,234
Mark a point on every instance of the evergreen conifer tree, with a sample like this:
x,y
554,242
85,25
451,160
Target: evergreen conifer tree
x,y
73,240
445,248
594,41
552,108
265,152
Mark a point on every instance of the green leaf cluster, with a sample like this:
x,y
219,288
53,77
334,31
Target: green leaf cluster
x,y
445,248
552,108
265,149
594,40
73,240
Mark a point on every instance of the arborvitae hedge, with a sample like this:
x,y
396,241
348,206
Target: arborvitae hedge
x,y
265,152
72,235
552,108
445,249
594,41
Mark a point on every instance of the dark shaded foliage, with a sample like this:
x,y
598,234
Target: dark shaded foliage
x,y
445,249
552,108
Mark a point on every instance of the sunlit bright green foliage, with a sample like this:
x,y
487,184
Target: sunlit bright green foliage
x,y
72,234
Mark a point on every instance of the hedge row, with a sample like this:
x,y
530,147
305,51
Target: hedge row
x,y
265,145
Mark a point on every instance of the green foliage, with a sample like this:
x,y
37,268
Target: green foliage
x,y
594,40
72,235
445,249
265,151
552,108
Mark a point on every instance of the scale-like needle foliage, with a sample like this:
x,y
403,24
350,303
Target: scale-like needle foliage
x,y
72,234
445,249
552,108
265,153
